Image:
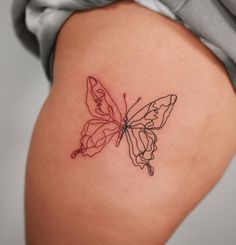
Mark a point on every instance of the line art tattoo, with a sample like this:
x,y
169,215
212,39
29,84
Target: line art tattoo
x,y
108,122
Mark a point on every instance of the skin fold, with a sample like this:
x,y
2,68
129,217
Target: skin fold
x,y
104,199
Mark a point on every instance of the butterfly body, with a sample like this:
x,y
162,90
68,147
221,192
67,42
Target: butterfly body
x,y
107,122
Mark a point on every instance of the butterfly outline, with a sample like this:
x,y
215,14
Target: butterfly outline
x,y
107,121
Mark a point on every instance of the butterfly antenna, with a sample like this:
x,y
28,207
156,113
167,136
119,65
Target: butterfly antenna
x,y
139,98
126,107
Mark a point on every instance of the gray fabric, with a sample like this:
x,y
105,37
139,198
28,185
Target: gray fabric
x,y
231,5
37,23
18,16
213,22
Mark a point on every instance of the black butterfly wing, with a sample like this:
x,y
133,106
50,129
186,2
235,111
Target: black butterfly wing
x,y
142,145
141,128
155,114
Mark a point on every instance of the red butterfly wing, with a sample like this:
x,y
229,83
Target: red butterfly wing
x,y
94,136
106,121
100,103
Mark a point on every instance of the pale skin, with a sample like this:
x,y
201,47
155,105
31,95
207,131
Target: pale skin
x,y
105,199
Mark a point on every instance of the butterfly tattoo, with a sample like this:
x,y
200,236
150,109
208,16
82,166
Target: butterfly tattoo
x,y
107,122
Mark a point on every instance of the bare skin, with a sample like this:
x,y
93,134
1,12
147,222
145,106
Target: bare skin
x,y
105,199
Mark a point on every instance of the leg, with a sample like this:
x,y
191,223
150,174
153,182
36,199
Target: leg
x,y
105,199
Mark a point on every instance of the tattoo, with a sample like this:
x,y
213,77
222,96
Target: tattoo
x,y
108,122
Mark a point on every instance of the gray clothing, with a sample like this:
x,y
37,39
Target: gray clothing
x,y
37,23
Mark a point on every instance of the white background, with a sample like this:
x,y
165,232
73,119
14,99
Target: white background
x,y
23,89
